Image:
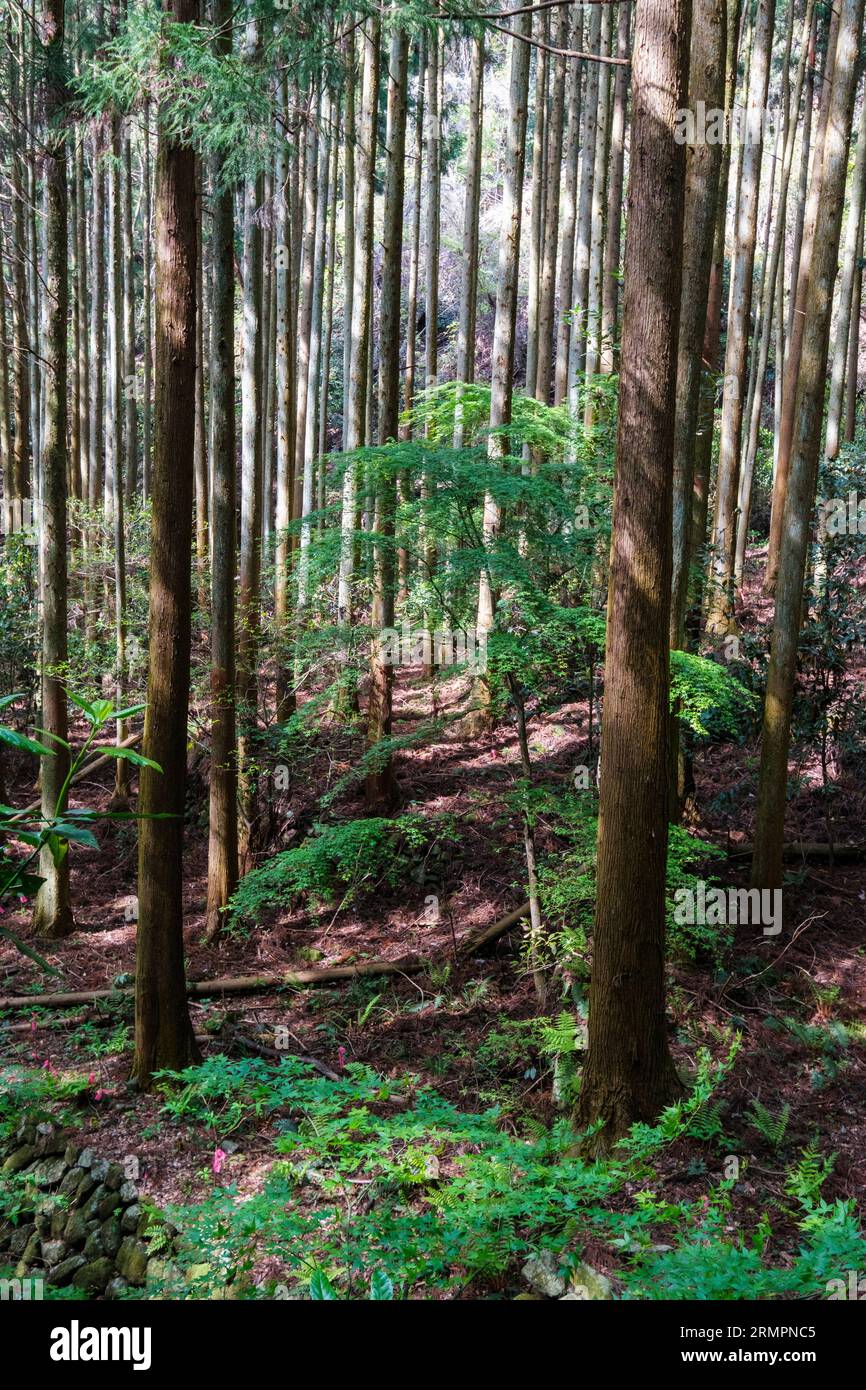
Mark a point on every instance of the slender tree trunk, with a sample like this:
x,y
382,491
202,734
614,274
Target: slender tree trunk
x,y
502,362
18,260
770,281
305,298
629,1073
850,266
712,335
200,437
536,213
600,214
854,343
251,490
720,615
147,314
130,422
577,351
284,418
797,328
610,287
381,785
52,914
703,165
414,259
827,193
569,212
163,1032
349,140
114,440
360,330
222,869
434,193
547,283
471,219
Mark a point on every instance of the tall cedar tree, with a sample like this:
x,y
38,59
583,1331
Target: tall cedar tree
x,y
163,1032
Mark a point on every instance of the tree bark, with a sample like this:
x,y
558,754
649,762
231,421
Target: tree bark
x,y
629,1073
827,195
52,915
163,1033
222,870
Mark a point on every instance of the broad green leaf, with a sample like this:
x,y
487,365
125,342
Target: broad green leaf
x,y
381,1287
130,756
27,745
78,833
28,951
321,1287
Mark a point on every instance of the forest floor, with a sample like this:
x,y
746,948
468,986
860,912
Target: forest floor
x,y
449,1026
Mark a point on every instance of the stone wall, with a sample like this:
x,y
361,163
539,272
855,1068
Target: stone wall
x,y
80,1222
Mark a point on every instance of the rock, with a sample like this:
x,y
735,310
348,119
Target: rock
x,y
49,1140
62,1273
86,1187
93,1276
93,1247
70,1153
99,1169
128,1193
116,1287
130,1220
132,1261
109,1203
53,1251
75,1230
110,1233
20,1238
85,1158
542,1274
71,1181
59,1218
49,1172
26,1132
28,1255
19,1159
164,1280
588,1285
114,1177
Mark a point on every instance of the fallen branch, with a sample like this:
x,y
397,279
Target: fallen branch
x,y
249,984
806,849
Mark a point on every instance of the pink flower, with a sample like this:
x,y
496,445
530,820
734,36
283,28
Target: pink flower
x,y
219,1158
99,1094
341,1057
91,1079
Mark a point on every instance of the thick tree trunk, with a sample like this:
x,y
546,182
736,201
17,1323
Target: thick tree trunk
x,y
163,1032
629,1074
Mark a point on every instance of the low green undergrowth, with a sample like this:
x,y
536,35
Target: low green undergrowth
x,y
383,1183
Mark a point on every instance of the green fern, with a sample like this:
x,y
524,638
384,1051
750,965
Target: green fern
x,y
770,1126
